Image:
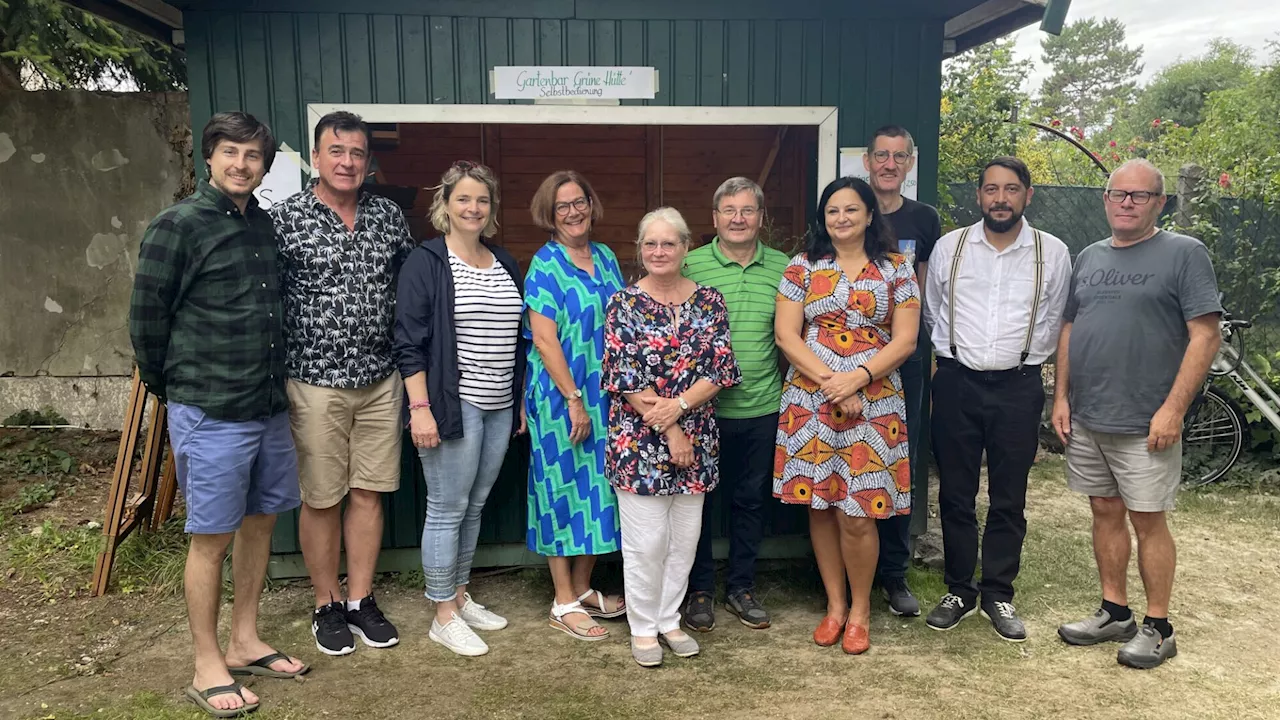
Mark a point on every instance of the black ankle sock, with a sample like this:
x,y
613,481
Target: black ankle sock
x,y
1118,613
1161,625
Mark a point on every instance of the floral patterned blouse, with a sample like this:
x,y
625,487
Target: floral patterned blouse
x,y
645,349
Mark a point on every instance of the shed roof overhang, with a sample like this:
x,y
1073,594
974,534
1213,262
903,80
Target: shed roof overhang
x,y
969,23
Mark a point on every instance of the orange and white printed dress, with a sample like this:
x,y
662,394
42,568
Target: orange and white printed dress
x,y
822,457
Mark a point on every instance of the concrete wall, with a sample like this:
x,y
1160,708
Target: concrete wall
x,y
81,176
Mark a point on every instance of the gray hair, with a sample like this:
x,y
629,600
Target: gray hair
x,y
670,216
1143,163
733,186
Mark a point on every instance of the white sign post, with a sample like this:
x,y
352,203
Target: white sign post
x,y
283,180
573,82
851,166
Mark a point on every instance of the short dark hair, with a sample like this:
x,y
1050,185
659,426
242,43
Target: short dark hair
x,y
1008,162
879,240
237,127
543,205
891,131
342,121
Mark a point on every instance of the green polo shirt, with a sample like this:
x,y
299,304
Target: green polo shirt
x,y
750,293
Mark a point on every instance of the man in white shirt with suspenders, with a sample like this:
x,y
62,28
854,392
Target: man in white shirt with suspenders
x,y
994,300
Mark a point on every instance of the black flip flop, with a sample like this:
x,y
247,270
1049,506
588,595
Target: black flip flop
x,y
262,667
201,699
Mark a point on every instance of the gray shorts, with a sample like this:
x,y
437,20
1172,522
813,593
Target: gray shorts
x,y
1112,465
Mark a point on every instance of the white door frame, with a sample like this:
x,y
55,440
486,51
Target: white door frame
x,y
823,117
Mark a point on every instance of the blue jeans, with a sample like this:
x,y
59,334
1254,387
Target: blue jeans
x,y
459,474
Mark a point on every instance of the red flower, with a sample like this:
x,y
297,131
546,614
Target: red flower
x,y
1077,132
1155,123
1224,181
1115,156
1056,123
1112,143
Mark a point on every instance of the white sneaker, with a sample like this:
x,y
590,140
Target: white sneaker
x,y
478,617
458,637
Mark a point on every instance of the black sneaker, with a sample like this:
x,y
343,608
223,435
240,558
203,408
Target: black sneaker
x,y
329,627
371,625
1005,620
699,612
901,601
949,612
750,612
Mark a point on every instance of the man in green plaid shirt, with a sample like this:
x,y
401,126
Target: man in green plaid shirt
x,y
205,320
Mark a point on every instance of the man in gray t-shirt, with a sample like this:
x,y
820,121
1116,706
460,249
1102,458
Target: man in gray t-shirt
x,y
1140,330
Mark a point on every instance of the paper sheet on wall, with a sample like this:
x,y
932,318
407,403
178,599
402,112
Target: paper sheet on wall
x,y
851,164
284,179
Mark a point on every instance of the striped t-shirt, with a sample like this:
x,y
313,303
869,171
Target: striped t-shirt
x,y
751,295
486,317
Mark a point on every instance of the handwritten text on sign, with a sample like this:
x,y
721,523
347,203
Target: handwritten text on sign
x,y
538,82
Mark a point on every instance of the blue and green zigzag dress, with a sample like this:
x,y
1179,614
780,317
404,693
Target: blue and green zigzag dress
x,y
572,508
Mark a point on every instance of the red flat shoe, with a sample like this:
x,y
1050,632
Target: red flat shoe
x,y
856,639
828,632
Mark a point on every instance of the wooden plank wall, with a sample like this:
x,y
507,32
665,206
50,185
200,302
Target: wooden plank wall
x,y
632,168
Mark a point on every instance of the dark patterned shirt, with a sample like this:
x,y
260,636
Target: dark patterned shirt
x,y
205,316
339,287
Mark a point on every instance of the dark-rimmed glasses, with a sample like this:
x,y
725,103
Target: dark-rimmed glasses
x,y
1139,197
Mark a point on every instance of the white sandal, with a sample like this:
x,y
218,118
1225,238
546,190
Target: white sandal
x,y
600,611
579,631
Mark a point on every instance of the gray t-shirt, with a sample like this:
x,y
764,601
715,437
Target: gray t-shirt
x,y
1129,309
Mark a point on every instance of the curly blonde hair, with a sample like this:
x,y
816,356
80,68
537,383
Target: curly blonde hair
x,y
439,212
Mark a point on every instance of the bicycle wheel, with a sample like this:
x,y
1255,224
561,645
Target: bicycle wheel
x,y
1212,437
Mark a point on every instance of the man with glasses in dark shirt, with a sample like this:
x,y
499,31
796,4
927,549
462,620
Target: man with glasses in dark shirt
x,y
205,320
889,158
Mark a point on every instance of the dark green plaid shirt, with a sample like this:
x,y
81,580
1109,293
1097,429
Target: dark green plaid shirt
x,y
206,316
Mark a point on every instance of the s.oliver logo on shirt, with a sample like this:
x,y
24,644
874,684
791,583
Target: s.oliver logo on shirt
x,y
1114,278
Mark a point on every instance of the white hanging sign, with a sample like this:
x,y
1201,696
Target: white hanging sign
x,y
541,82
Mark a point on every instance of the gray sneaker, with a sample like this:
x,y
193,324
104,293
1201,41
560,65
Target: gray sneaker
x,y
749,610
1147,649
685,647
699,612
646,656
1098,629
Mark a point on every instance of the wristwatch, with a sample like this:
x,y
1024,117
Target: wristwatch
x,y
684,406
576,394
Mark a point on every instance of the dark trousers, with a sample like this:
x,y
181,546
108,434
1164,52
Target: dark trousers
x,y
895,532
998,412
746,478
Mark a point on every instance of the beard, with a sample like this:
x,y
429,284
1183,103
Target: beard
x,y
1001,226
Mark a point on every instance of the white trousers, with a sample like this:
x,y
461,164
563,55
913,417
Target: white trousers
x,y
659,541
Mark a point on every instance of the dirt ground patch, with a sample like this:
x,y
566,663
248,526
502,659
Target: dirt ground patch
x,y
126,656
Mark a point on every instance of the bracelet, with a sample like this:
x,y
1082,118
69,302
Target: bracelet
x,y
870,378
419,405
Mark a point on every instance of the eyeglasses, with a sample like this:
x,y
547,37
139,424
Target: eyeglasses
x,y
581,205
1139,197
899,157
465,165
745,213
666,245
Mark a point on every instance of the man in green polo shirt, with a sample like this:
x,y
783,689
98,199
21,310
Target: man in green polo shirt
x,y
747,273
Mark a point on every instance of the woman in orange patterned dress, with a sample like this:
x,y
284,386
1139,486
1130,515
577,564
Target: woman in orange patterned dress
x,y
848,312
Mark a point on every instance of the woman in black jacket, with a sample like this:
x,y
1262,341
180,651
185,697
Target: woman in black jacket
x,y
459,348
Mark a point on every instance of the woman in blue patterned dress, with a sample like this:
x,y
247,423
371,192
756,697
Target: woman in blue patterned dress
x,y
573,512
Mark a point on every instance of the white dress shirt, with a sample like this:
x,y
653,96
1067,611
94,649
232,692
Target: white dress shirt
x,y
993,296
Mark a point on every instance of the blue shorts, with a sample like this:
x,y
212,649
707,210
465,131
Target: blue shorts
x,y
228,469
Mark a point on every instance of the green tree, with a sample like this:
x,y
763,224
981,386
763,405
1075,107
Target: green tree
x,y
1094,73
981,93
46,44
1178,93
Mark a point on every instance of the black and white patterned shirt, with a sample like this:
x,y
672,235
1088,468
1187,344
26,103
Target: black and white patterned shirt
x,y
339,288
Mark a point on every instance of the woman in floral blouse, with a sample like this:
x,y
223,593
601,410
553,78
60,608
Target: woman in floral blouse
x,y
667,354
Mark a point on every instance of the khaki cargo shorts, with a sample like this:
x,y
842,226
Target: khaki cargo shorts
x,y
346,438
1112,465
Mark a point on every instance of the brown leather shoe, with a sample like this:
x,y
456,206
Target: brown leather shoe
x,y
856,639
828,632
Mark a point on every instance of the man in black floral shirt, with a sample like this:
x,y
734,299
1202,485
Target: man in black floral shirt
x,y
340,248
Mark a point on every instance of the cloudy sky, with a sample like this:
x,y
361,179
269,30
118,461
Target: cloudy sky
x,y
1167,29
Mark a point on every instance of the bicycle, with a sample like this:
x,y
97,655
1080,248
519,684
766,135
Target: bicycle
x,y
1213,432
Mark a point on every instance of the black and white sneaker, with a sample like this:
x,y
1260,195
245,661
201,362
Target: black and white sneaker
x,y
368,622
950,611
329,627
1004,618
